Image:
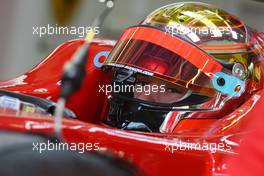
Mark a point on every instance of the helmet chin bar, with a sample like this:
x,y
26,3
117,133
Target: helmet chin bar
x,y
121,115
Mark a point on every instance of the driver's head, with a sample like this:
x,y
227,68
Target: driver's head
x,y
186,57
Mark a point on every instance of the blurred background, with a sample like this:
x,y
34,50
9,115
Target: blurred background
x,y
20,50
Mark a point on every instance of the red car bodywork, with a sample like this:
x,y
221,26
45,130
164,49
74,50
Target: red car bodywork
x,y
152,153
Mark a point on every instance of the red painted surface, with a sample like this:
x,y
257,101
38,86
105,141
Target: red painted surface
x,y
148,151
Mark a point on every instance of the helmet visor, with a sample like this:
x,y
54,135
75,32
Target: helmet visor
x,y
155,53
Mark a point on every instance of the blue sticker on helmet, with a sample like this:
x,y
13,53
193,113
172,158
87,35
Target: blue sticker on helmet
x,y
228,84
97,63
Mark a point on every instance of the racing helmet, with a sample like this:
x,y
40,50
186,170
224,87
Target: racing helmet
x,y
183,60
